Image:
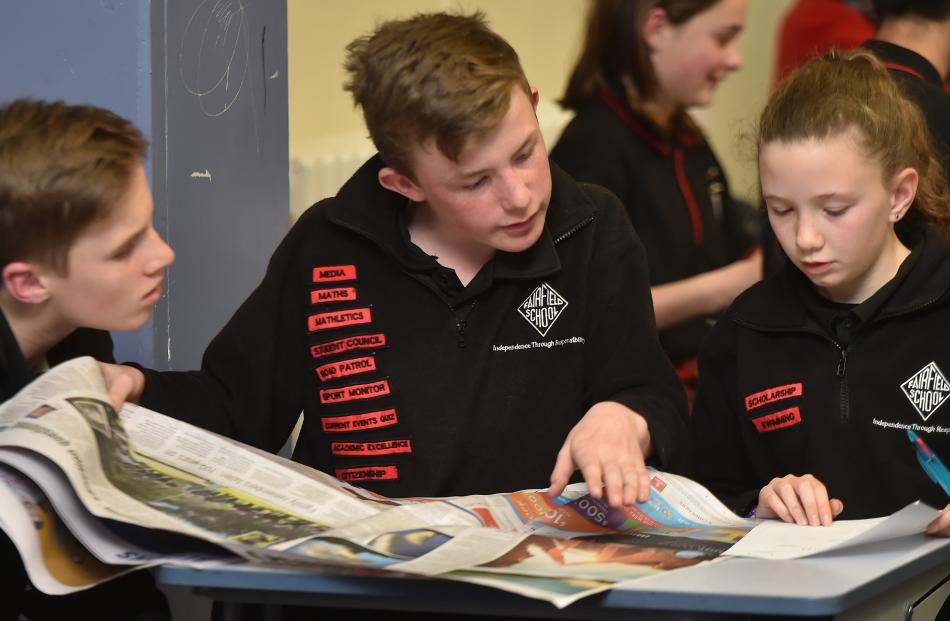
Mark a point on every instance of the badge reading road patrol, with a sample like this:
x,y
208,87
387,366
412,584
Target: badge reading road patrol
x,y
542,308
927,390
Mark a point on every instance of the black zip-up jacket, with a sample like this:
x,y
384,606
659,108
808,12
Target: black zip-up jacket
x,y
783,391
412,385
127,595
673,189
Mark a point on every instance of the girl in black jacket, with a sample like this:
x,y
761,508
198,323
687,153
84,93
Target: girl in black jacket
x,y
642,65
813,377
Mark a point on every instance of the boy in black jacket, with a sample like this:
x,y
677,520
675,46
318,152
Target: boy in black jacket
x,y
79,256
457,310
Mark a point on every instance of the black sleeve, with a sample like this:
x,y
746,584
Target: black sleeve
x,y
250,384
720,461
628,365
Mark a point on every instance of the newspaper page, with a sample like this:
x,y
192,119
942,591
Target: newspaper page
x,y
55,561
142,468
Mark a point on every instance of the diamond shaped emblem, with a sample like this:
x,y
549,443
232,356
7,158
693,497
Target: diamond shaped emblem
x,y
543,307
927,390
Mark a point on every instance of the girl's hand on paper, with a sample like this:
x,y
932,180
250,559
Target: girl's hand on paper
x,y
124,383
799,499
941,526
608,446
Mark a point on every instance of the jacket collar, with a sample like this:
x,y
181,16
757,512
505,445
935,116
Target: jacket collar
x,y
684,133
366,208
780,301
897,58
14,372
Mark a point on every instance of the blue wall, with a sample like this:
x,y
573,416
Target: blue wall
x,y
132,56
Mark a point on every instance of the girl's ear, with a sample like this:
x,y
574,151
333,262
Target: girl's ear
x,y
25,282
395,181
655,27
904,189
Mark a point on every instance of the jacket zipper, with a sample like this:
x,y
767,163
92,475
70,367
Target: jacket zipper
x,y
844,395
462,322
572,230
841,368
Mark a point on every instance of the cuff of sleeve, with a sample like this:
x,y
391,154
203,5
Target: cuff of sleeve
x,y
666,420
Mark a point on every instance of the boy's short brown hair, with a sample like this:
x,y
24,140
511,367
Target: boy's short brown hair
x,y
62,168
436,75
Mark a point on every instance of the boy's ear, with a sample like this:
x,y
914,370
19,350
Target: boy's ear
x,y
655,27
903,193
535,98
25,282
395,181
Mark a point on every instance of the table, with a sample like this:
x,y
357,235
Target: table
x,y
882,580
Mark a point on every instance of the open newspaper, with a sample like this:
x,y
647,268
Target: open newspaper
x,y
88,494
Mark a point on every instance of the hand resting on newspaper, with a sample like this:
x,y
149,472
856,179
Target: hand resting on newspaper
x,y
609,446
124,383
804,500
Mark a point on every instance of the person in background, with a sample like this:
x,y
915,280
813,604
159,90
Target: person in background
x,y
643,64
913,42
79,256
812,27
810,381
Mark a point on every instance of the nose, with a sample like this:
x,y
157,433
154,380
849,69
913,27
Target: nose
x,y
734,59
515,192
159,254
807,236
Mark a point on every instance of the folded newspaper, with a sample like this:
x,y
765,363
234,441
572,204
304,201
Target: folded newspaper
x,y
88,494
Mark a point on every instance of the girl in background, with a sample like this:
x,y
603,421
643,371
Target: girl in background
x,y
643,64
811,380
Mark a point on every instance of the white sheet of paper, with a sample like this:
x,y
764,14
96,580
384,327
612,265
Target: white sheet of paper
x,y
773,539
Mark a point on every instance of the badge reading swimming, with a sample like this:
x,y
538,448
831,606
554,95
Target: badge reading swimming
x,y
337,294
777,420
339,319
359,422
354,392
542,308
340,346
334,273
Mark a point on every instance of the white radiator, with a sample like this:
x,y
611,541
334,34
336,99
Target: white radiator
x,y
318,168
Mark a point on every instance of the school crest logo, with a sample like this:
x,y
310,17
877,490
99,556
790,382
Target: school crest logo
x,y
542,308
927,390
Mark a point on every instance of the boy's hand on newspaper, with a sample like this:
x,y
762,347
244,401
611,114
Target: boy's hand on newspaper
x,y
124,383
608,446
800,499
941,526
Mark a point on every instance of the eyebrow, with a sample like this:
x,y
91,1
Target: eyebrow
x,y
482,171
129,242
827,196
836,195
